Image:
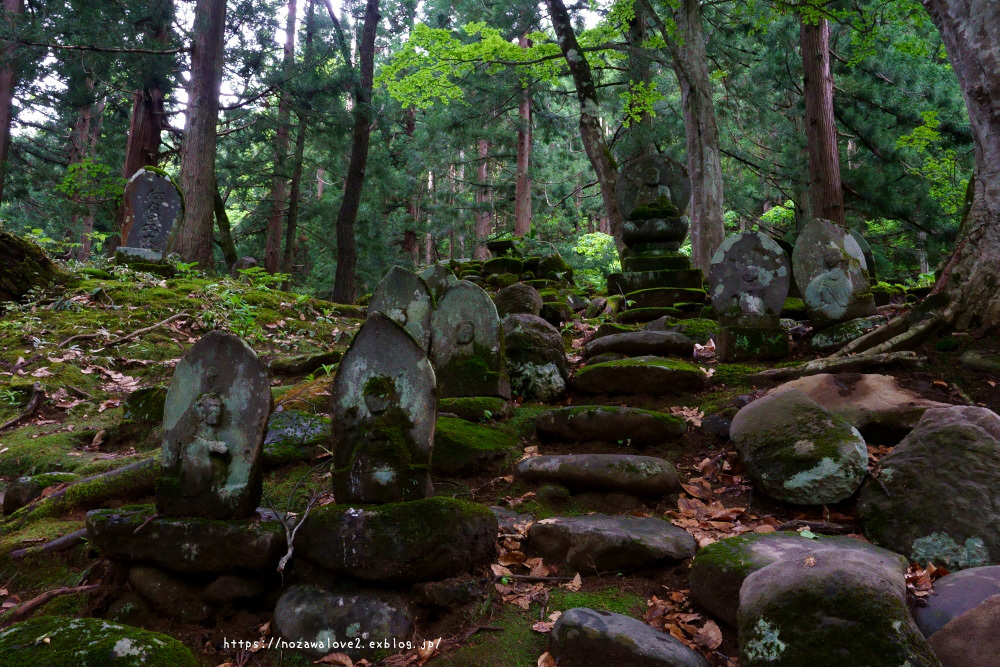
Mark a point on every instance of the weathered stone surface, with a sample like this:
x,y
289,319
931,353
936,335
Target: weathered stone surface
x,y
610,543
169,595
153,205
866,251
664,260
452,592
839,335
438,279
466,347
313,396
638,475
954,594
698,329
935,497
795,450
462,447
971,639
638,315
23,490
214,420
356,620
582,637
507,518
830,269
719,569
610,424
242,264
981,360
145,405
231,588
475,408
303,364
294,435
841,608
186,545
535,357
864,399
664,297
635,281
518,298
749,280
420,540
639,343
88,642
735,343
640,375
652,193
405,299
384,409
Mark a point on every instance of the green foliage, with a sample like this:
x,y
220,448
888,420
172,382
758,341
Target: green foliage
x,y
91,180
940,166
639,99
594,257
260,278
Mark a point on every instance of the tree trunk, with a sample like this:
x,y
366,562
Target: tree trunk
x,y
142,149
483,222
11,10
347,252
590,122
522,188
192,239
272,243
294,195
970,278
86,236
825,193
702,133
226,243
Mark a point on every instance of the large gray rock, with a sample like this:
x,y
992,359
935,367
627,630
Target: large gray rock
x,y
214,420
935,498
341,622
466,345
970,640
420,540
839,335
641,343
638,475
192,545
955,594
24,490
61,641
984,361
535,357
405,299
384,409
640,375
795,450
610,543
749,280
584,637
864,400
438,279
169,595
832,608
719,569
518,298
610,424
830,270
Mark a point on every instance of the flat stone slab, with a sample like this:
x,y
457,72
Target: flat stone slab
x,y
719,569
580,634
971,639
638,475
418,540
641,343
626,283
665,297
640,375
610,424
186,545
608,543
954,594
294,435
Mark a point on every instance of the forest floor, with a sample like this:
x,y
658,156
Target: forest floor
x,y
74,343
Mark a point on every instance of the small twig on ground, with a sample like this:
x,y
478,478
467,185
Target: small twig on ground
x,y
26,608
532,578
37,396
145,523
823,527
140,332
291,532
59,544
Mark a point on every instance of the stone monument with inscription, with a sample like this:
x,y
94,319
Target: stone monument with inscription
x,y
652,194
831,271
153,206
749,280
405,299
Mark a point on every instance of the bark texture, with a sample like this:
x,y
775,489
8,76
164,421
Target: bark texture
x,y
522,187
825,191
8,79
192,239
272,243
483,213
590,122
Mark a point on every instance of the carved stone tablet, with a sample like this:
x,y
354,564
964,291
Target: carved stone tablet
x,y
404,298
214,422
830,270
749,280
153,206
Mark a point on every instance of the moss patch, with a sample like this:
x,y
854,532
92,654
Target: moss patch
x,y
609,599
515,645
461,447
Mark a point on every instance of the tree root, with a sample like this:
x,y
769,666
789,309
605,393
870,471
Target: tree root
x,y
25,609
37,396
898,335
840,365
59,544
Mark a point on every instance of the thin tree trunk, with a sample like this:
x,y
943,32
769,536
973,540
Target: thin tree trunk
x,y
522,188
272,243
192,239
483,213
825,192
294,195
590,123
347,252
8,79
86,237
226,243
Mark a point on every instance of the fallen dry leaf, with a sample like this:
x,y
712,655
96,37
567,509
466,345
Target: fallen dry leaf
x,y
546,660
573,585
709,636
341,659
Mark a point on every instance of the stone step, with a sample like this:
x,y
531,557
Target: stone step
x,y
639,343
640,375
648,314
610,424
664,297
633,281
607,543
638,475
666,261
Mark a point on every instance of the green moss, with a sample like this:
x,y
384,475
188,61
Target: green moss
x,y
647,314
794,309
461,447
88,642
661,208
698,329
474,374
516,645
672,364
614,600
474,408
95,273
292,486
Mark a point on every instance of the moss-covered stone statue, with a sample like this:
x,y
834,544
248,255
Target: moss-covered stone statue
x,y
384,411
214,421
404,298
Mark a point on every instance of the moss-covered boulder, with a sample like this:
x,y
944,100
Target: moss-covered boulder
x,y
505,264
626,473
145,405
935,496
641,343
719,569
313,396
795,309
795,450
518,298
475,408
464,448
698,329
24,266
886,294
535,357
984,361
609,424
640,375
829,608
295,435
23,490
58,641
839,335
420,540
303,364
